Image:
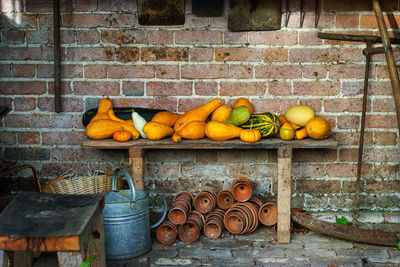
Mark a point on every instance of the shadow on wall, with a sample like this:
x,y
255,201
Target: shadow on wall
x,y
12,10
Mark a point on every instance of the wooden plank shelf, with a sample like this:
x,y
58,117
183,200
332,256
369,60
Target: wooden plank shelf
x,y
138,147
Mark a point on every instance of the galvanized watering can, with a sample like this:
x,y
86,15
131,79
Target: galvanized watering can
x,y
126,220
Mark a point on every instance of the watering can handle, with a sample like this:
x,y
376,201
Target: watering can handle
x,y
127,178
164,213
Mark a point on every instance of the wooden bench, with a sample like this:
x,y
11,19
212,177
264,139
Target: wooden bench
x,y
138,147
71,225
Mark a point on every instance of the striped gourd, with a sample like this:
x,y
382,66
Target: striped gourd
x,y
267,123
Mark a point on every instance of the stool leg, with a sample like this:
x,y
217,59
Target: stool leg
x,y
23,258
4,258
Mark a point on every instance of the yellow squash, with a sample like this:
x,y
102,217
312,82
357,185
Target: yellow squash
x,y
103,129
221,131
156,131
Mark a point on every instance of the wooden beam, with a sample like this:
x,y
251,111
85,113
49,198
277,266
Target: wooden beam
x,y
57,58
354,37
284,193
136,163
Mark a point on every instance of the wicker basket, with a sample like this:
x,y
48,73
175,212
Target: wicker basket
x,y
95,184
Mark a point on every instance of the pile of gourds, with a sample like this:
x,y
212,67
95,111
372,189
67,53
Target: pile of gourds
x,y
225,123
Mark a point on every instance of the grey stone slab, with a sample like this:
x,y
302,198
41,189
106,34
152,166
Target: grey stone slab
x,y
163,253
229,262
226,243
292,262
139,261
394,253
327,243
291,253
382,263
261,234
204,253
364,253
266,252
167,262
340,261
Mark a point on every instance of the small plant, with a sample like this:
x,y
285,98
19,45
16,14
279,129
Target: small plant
x,y
88,261
342,221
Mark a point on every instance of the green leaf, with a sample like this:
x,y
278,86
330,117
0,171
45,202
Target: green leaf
x,y
342,221
88,261
398,246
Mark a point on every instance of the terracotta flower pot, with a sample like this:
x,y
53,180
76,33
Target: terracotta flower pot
x,y
235,222
188,196
213,228
179,212
268,214
188,232
242,191
166,233
225,199
204,202
256,201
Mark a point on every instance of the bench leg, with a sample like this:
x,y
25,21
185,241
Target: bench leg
x,y
4,258
136,163
284,193
23,258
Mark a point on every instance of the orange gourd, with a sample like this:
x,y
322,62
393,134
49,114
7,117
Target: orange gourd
x,y
197,114
221,131
102,129
244,102
222,113
318,128
156,131
286,132
114,117
166,117
282,119
176,138
122,135
250,135
104,105
193,130
301,134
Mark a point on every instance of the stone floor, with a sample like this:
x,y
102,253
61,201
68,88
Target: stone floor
x,y
307,248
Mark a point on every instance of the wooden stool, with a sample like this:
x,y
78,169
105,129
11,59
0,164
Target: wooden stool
x,y
71,225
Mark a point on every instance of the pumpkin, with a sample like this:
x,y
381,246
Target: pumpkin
x,y
222,113
176,138
102,129
104,105
113,117
193,130
301,134
239,116
267,123
250,135
318,128
300,114
221,131
243,102
197,114
122,135
156,131
166,117
286,132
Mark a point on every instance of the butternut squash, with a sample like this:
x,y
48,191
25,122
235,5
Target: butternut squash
x,y
166,117
221,131
105,104
156,131
197,114
102,129
193,130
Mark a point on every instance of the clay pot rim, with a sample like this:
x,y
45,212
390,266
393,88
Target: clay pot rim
x,y
222,195
227,225
261,215
210,191
199,215
250,192
184,192
160,235
181,233
217,235
182,202
210,206
244,179
170,217
215,218
256,201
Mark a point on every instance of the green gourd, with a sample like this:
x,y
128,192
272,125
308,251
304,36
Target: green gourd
x,y
239,116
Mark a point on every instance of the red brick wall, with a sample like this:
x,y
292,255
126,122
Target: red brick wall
x,y
106,53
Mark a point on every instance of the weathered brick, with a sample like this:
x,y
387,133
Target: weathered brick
x,y
368,21
13,37
352,88
273,105
162,171
276,55
385,171
384,105
317,186
62,154
316,104
238,54
190,170
164,54
127,54
8,138
118,5
61,121
385,138
309,38
134,102
20,53
347,21
352,138
68,104
185,104
312,170
18,20
61,138
325,55
131,71
320,155
67,71
123,20
316,88
206,88
235,37
166,71
192,22
85,5
278,72
280,88
46,37
198,37
346,71
55,169
133,88
342,5
204,71
22,88
380,121
96,88
95,71
87,37
348,122
273,38
166,103
27,153
315,71
168,88
241,71
346,170
98,155
90,53
5,70
345,105
382,187
25,121
85,20
242,88
219,22
161,37
123,36
380,88
65,88
174,186
201,54
24,103
28,137
24,70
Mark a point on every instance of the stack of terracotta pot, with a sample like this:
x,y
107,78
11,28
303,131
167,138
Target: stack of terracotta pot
x,y
236,210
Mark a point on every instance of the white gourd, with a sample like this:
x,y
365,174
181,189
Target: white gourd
x,y
139,122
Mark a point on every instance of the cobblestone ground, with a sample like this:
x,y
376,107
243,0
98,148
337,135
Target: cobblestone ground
x,y
260,249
